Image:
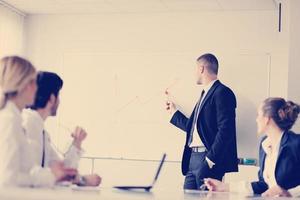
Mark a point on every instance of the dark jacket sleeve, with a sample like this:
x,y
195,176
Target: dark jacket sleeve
x,y
225,107
179,120
292,179
260,186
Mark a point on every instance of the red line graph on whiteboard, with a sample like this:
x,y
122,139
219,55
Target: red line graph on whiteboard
x,y
142,101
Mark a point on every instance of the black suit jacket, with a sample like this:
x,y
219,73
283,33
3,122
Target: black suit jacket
x,y
287,166
216,125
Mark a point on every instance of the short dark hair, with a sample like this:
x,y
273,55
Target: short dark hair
x,y
284,113
213,64
48,83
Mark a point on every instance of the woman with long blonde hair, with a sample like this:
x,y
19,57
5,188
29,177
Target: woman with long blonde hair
x,y
17,90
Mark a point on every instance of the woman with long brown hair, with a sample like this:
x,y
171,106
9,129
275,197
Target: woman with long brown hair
x,y
279,158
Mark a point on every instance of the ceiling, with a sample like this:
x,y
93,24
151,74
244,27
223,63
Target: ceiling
x,y
133,6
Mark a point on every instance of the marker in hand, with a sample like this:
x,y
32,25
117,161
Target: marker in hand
x,y
78,135
168,100
170,105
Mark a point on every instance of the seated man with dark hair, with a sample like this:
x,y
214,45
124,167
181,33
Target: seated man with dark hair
x,y
46,104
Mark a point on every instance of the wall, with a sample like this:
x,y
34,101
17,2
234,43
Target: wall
x,y
294,60
11,32
244,41
88,50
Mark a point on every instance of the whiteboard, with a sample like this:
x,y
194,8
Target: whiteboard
x,y
119,99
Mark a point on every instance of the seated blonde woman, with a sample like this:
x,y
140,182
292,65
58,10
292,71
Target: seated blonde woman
x,y
17,90
279,157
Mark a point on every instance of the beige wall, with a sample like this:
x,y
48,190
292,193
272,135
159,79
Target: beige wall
x,y
80,47
145,53
11,32
294,51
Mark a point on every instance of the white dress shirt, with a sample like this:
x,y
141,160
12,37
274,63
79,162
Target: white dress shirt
x,y
270,161
196,140
34,127
269,168
16,168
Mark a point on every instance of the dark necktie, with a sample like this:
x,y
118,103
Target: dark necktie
x,y
43,156
196,113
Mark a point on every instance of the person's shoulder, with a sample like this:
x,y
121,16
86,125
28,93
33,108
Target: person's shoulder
x,y
293,135
221,86
293,139
32,122
7,115
10,123
26,112
29,115
222,89
26,117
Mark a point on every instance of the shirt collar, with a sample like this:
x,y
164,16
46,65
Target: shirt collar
x,y
29,115
267,145
207,87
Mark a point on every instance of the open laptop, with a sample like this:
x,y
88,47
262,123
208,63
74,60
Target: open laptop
x,y
148,187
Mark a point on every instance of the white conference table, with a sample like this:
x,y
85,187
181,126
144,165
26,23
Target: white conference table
x,y
74,193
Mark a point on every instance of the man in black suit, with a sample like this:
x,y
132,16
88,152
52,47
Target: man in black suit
x,y
210,149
